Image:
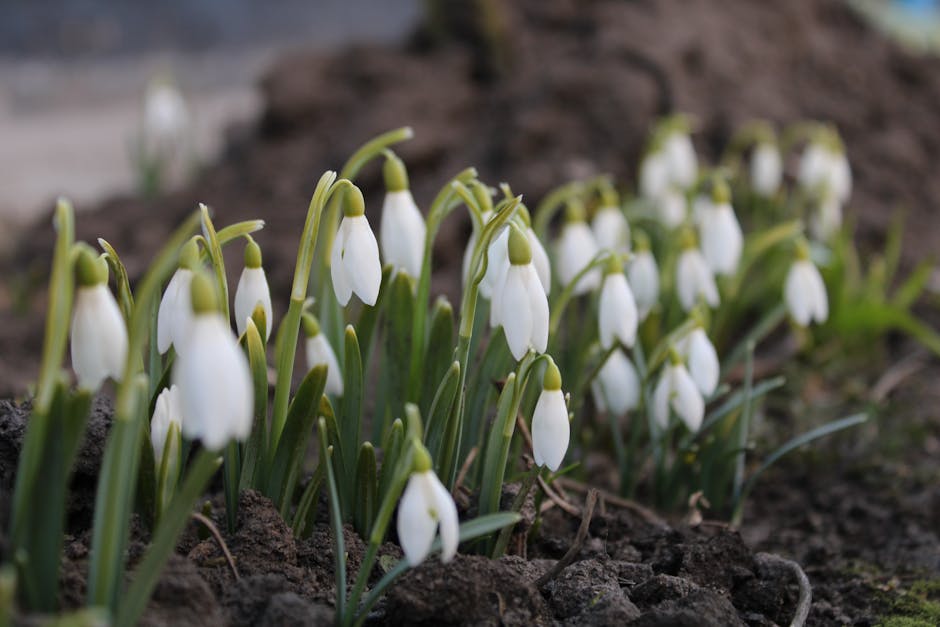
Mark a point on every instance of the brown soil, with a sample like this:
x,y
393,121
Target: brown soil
x,y
584,82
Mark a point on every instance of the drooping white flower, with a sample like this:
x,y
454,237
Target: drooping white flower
x,y
654,174
719,232
402,230
826,219
215,386
354,261
167,411
766,169
671,208
805,292
825,169
617,311
519,303
166,117
550,428
677,391
425,507
643,275
576,248
98,332
611,230
617,386
700,354
319,352
694,279
683,164
253,290
176,311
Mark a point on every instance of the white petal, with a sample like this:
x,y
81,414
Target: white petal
x,y
703,362
215,387
576,249
166,412
342,285
550,429
661,399
611,230
618,384
672,208
827,219
402,232
516,312
766,169
643,275
447,518
840,177
618,317
175,312
540,261
654,175
694,279
361,258
497,262
682,161
814,167
416,526
538,303
320,352
820,299
99,337
686,400
722,240
798,293
253,289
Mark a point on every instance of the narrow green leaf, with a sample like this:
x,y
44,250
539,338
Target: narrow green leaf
x,y
397,323
439,416
336,523
307,506
913,286
365,503
350,421
240,229
494,464
391,451
439,353
253,466
738,398
215,255
369,316
125,296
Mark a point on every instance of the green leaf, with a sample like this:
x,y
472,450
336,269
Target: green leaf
x,y
497,449
439,353
305,515
350,421
369,316
215,255
125,296
398,320
336,523
738,398
240,229
913,286
253,462
293,445
391,451
365,504
441,411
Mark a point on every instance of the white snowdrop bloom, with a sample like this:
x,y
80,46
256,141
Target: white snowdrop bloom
x,y
520,304
253,290
720,233
825,169
805,292
402,230
319,352
425,507
671,208
167,411
694,279
617,386
98,332
611,230
540,260
840,177
826,219
354,261
683,164
576,249
212,373
497,262
654,175
550,428
166,117
700,354
766,169
176,311
677,391
617,312
643,276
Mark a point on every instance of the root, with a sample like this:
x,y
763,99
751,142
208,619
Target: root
x,y
770,560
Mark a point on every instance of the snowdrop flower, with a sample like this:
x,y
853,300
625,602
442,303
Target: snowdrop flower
x,y
354,261
167,413
252,291
804,290
617,386
827,218
694,278
676,391
176,312
402,230
319,352
576,249
425,507
671,207
550,428
720,233
680,153
611,230
519,302
212,374
766,168
617,312
643,275
166,119
702,358
824,166
654,174
98,332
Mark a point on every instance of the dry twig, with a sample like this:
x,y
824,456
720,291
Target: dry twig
x,y
557,499
206,522
617,501
579,539
465,468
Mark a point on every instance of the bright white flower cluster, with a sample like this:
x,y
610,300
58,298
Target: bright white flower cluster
x,y
826,178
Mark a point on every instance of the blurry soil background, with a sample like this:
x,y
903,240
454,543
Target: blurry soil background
x,y
570,89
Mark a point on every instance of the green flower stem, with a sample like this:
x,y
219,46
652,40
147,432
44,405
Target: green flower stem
x,y
552,203
125,296
558,308
215,255
743,424
336,522
443,204
171,525
502,541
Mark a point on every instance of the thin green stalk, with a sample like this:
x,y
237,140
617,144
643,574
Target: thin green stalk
x,y
567,292
502,541
336,522
744,423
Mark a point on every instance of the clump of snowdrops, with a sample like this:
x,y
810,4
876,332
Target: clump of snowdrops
x,y
623,316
